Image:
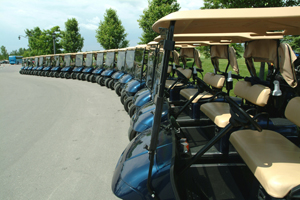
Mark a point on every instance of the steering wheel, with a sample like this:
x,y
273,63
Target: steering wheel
x,y
239,116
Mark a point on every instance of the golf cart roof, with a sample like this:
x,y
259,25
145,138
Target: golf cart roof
x,y
152,43
102,51
221,37
262,21
113,50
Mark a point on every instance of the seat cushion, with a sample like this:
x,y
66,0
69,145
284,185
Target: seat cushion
x,y
169,83
274,160
218,112
190,92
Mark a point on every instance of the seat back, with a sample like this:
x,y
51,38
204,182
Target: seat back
x,y
256,94
223,52
215,80
292,111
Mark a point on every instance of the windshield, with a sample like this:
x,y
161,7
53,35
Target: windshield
x,y
41,61
89,60
110,58
138,63
150,66
48,61
36,61
99,62
129,64
67,60
121,60
79,60
158,73
56,58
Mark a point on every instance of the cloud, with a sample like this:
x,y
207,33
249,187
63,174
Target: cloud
x,y
18,15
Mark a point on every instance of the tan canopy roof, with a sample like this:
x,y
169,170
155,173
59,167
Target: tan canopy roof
x,y
258,20
221,37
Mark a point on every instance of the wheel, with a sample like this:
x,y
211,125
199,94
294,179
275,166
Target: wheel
x,y
87,77
111,84
106,82
78,76
83,77
123,98
47,74
118,89
132,134
128,103
62,75
132,110
73,75
101,81
67,76
90,78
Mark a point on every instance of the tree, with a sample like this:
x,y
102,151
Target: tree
x,y
215,4
156,10
4,53
41,42
111,33
209,4
71,40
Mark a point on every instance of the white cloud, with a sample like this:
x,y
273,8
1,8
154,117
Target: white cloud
x,y
18,15
89,26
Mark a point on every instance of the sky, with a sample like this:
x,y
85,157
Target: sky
x,y
18,15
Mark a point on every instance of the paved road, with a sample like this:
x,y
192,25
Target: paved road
x,y
60,139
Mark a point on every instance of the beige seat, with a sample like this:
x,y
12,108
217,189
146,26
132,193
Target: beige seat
x,y
273,159
186,72
219,112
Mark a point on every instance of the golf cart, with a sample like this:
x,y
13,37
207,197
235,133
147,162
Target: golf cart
x,y
99,67
135,68
79,65
58,58
24,60
42,63
241,161
109,66
47,69
87,71
36,65
68,66
118,71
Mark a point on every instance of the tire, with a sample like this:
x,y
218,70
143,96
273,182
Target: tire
x,y
106,82
132,110
123,98
67,76
83,77
77,76
87,77
47,74
132,134
90,78
101,81
118,89
72,74
111,84
128,103
39,73
62,75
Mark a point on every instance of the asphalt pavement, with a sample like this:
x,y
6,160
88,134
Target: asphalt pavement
x,y
59,139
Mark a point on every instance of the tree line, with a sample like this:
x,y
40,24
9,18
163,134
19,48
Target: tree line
x,y
111,33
